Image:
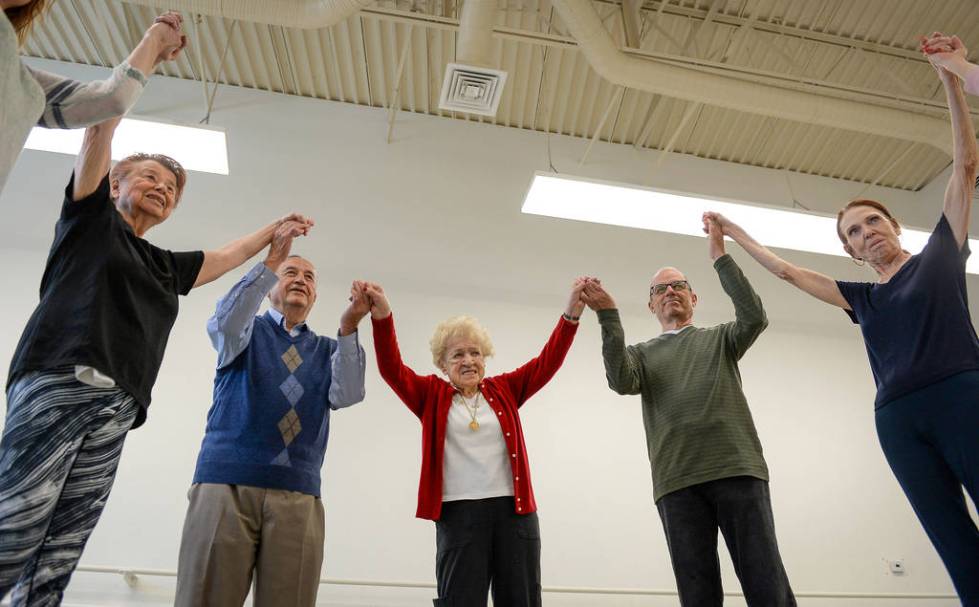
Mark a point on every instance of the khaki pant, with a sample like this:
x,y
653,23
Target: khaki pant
x,y
231,530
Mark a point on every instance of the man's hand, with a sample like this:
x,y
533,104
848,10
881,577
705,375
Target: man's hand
x,y
596,297
167,35
380,307
360,305
286,229
715,234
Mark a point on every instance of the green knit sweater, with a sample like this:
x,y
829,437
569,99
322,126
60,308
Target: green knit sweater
x,y
698,426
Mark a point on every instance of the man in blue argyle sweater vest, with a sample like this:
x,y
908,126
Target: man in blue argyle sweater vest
x,y
255,506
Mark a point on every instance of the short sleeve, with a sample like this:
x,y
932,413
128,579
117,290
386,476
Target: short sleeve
x,y
97,201
186,266
942,242
856,294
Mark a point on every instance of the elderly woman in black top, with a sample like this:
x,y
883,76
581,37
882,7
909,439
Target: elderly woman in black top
x,y
923,348
83,371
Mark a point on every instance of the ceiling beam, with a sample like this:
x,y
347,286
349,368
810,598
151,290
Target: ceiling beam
x,y
664,7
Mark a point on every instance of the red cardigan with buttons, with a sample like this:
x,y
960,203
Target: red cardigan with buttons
x,y
430,398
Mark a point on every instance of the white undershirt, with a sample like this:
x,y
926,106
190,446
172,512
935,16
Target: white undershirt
x,y
475,463
93,377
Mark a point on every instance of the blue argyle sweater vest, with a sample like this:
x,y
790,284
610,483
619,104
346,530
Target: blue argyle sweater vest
x,y
270,420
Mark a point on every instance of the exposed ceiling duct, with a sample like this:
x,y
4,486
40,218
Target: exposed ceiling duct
x,y
304,14
471,84
729,92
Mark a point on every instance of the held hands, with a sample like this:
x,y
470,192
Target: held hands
x,y
575,303
596,297
942,51
168,36
379,306
286,229
714,228
360,305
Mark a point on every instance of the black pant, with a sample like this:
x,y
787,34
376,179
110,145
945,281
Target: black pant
x,y
741,507
929,439
483,543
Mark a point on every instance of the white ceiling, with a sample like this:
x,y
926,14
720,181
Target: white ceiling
x,y
862,50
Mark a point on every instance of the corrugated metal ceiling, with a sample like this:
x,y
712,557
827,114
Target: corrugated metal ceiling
x,y
864,50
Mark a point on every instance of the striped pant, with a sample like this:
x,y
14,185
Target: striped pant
x,y
61,444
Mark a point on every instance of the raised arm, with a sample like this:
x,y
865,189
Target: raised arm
x,y
411,388
349,362
230,328
961,184
219,261
529,378
750,319
622,366
818,285
943,50
93,160
72,104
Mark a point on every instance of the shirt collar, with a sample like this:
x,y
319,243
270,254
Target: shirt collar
x,y
279,319
675,331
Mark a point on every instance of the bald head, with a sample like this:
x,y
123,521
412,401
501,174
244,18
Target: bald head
x,y
667,274
295,293
671,298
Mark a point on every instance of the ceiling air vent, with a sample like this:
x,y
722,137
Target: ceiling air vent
x,y
470,89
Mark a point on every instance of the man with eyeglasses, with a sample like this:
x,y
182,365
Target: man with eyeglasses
x,y
707,464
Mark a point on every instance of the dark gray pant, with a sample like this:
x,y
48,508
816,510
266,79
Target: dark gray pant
x,y
741,508
484,543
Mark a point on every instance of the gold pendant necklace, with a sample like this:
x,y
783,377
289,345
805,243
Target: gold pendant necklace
x,y
473,425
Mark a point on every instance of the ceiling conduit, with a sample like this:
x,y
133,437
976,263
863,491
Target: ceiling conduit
x,y
475,43
729,92
471,84
302,14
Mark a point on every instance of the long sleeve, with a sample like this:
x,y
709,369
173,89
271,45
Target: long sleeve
x,y
411,388
526,380
70,104
750,319
347,366
622,368
230,329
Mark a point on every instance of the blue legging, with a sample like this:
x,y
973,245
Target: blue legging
x,y
931,441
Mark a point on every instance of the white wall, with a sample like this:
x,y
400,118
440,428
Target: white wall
x,y
435,217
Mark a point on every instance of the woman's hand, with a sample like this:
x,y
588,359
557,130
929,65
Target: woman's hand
x,y
715,234
286,229
168,36
575,304
943,51
379,305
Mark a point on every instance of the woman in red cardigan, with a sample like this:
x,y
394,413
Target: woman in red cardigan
x,y
475,478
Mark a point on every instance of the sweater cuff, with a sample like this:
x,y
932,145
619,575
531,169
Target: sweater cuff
x,y
129,71
723,261
348,345
608,315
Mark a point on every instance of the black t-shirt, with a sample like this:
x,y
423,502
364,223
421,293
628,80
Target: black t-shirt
x,y
108,298
917,326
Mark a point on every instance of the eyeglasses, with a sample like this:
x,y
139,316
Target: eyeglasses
x,y
677,285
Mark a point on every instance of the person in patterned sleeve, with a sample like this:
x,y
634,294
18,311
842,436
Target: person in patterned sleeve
x,y
255,505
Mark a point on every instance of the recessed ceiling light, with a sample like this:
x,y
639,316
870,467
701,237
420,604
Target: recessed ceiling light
x,y
648,209
196,148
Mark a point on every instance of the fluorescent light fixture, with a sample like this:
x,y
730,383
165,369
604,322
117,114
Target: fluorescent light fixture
x,y
648,209
196,148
